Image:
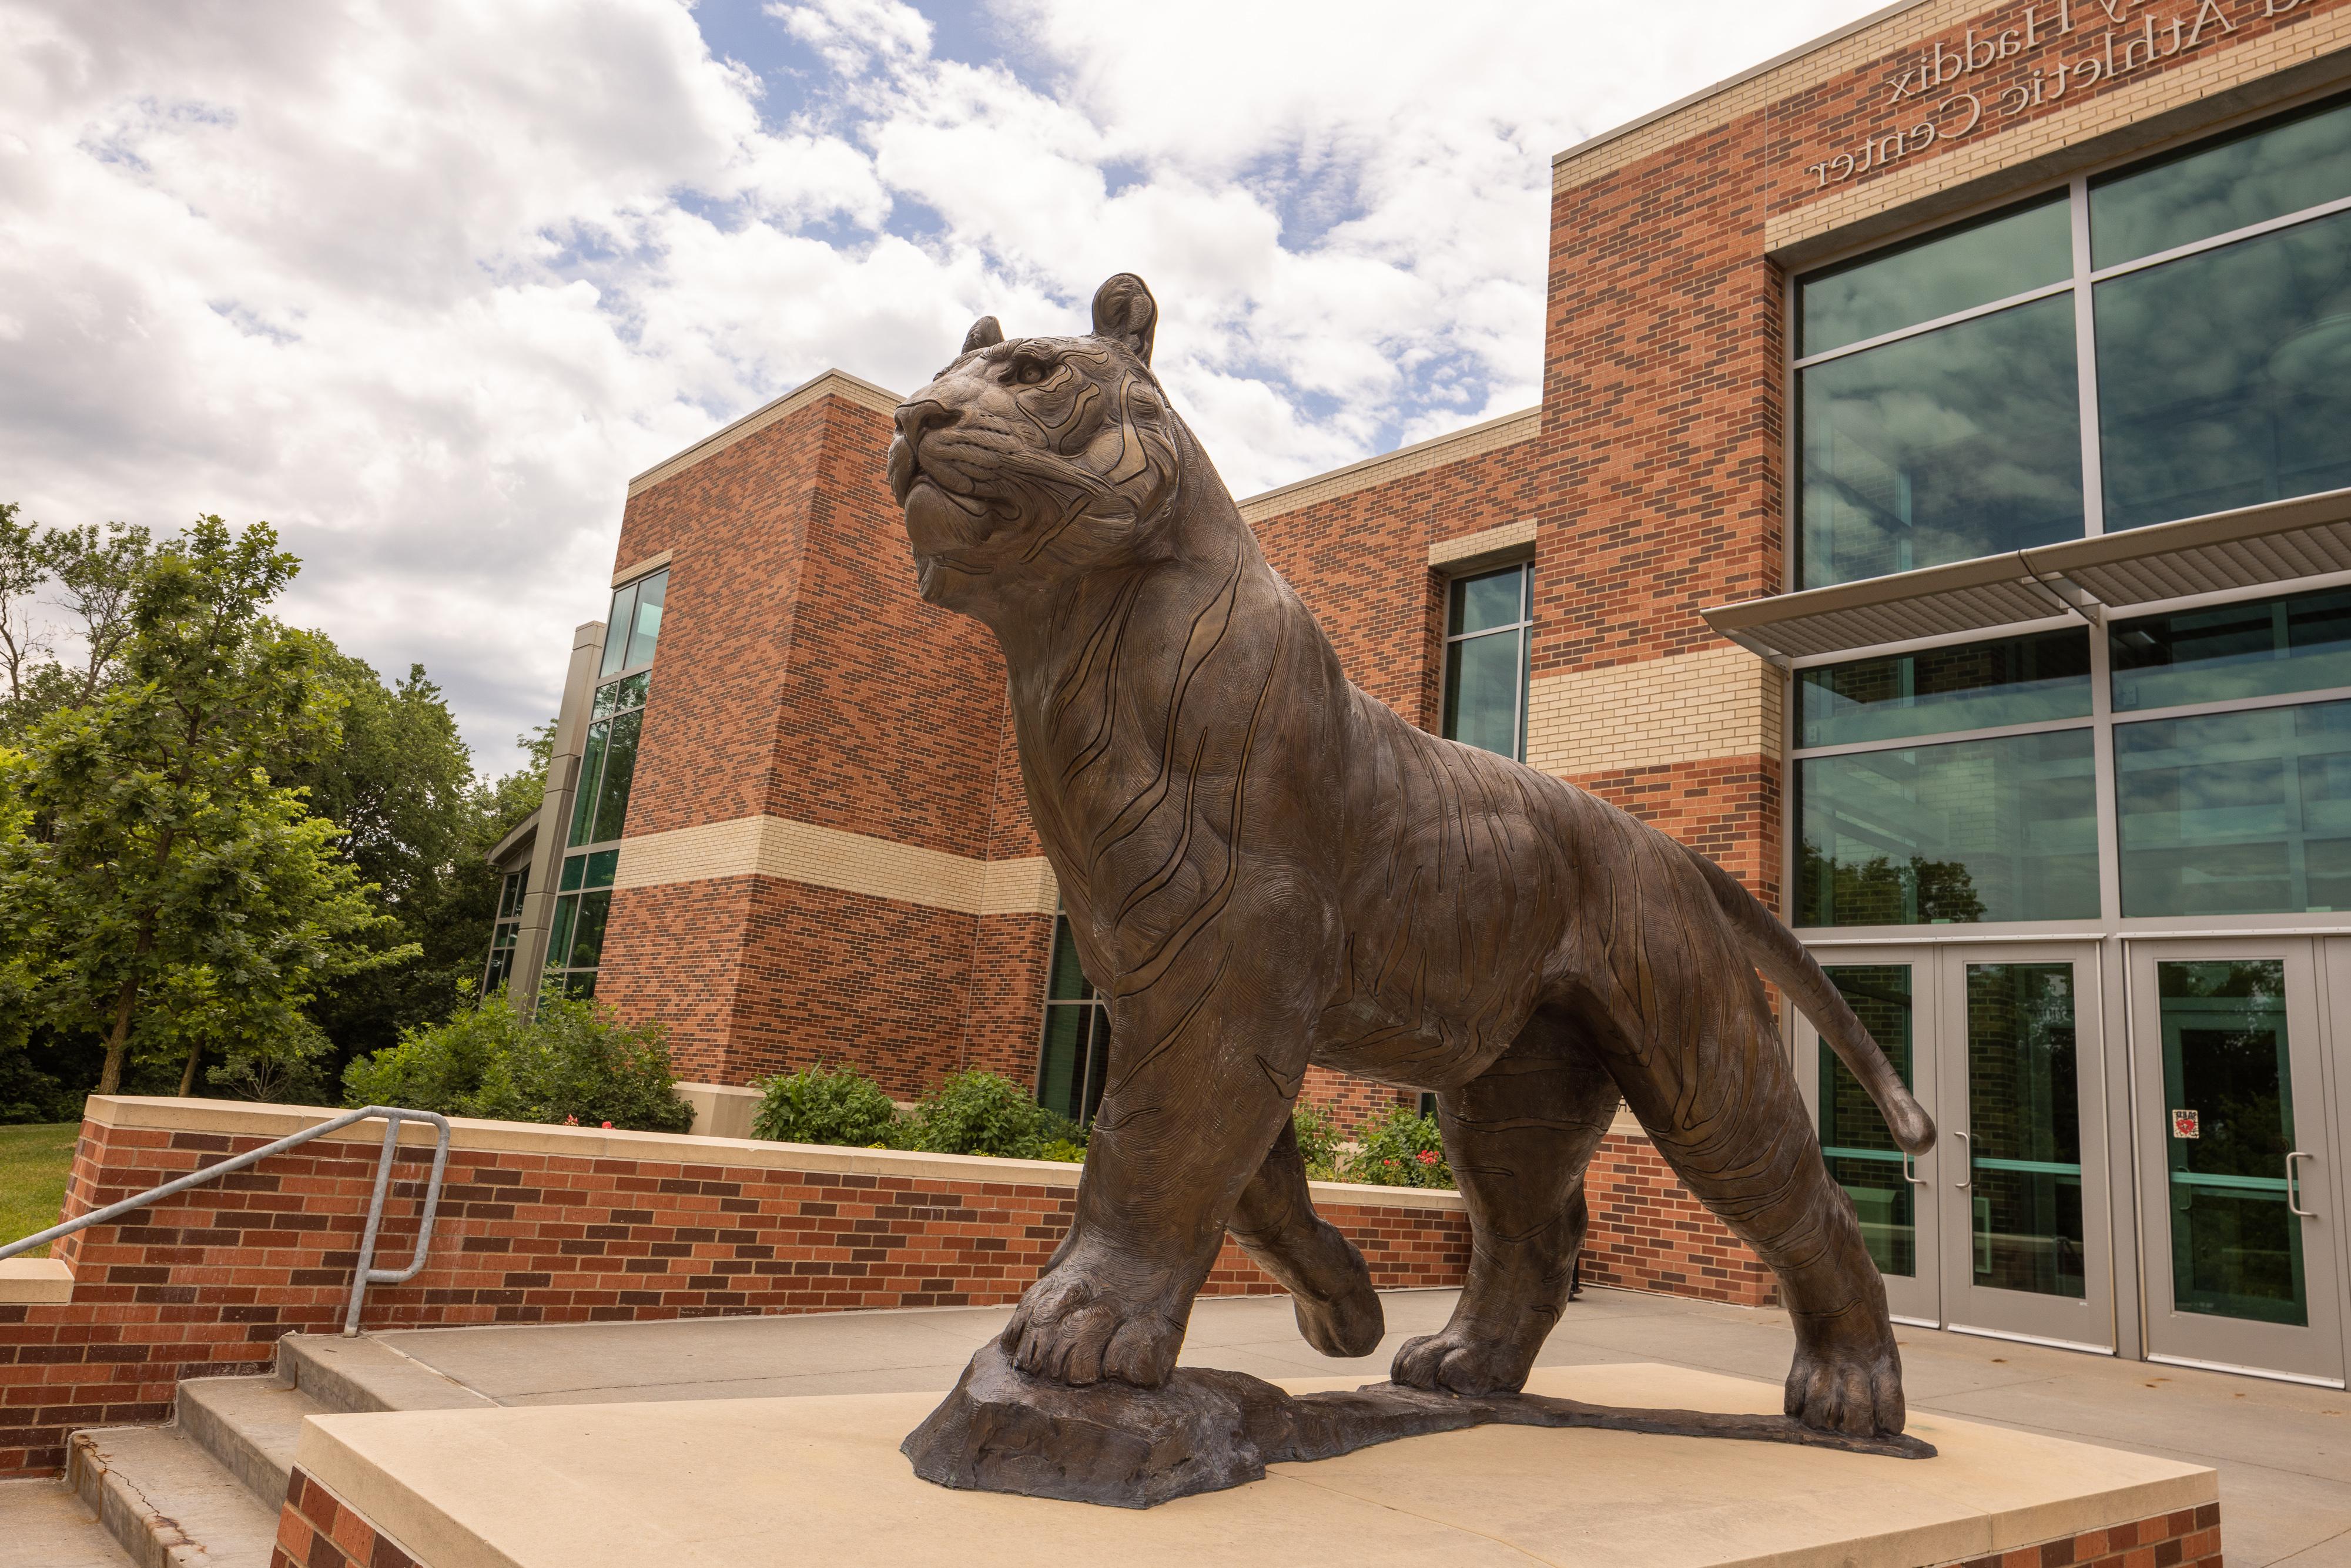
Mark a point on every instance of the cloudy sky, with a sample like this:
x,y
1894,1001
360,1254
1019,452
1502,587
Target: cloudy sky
x,y
423,282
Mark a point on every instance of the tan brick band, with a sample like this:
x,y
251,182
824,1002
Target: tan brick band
x,y
2043,140
1690,708
849,863
1403,462
830,383
1493,545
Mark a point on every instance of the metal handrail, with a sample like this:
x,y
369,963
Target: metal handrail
x,y
367,1273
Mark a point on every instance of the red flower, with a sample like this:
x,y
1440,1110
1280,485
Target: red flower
x,y
608,1126
571,1121
1428,1156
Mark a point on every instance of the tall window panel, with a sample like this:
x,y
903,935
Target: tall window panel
x,y
2000,824
1939,383
1938,400
1073,1058
504,931
608,769
1488,639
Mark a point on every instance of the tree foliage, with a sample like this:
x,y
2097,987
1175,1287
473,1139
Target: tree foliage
x,y
158,888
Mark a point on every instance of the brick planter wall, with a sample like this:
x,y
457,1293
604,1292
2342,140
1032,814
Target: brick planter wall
x,y
572,1225
537,1225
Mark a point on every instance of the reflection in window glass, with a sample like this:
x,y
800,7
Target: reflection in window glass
x,y
2250,178
592,771
2259,648
1975,685
1960,442
1073,1059
616,630
2224,378
2237,814
1861,1154
645,623
2236,1246
1485,657
2024,1126
1969,830
1955,270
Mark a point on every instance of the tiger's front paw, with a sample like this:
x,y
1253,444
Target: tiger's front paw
x,y
1453,1361
1072,1328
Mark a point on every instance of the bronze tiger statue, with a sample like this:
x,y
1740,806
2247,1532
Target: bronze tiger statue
x,y
1264,868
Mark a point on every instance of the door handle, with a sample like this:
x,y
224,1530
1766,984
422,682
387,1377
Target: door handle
x,y
1967,1162
1911,1171
2293,1189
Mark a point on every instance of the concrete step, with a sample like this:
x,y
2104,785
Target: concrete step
x,y
166,1501
249,1425
42,1522
361,1375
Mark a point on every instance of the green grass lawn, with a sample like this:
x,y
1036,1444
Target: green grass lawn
x,y
34,1164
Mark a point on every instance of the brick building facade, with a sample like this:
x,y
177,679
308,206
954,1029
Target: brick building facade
x,y
1809,591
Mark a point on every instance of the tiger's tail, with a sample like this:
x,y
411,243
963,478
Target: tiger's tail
x,y
1790,966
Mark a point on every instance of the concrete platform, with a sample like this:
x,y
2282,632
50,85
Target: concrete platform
x,y
706,1483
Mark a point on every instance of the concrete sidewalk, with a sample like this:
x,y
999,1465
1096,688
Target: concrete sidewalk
x,y
2283,1450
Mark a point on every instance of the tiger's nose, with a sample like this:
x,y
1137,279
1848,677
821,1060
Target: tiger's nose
x,y
920,415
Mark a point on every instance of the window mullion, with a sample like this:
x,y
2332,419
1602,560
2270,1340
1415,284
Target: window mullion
x,y
2086,361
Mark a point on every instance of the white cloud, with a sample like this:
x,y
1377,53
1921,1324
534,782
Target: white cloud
x,y
424,282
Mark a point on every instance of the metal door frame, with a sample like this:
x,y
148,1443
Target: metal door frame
x,y
1914,1300
2311,1355
2087,1323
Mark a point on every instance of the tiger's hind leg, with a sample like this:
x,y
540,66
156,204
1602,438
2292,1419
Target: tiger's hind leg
x,y
1694,1046
1328,1281
1518,1138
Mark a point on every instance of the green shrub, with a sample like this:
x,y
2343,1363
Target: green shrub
x,y
436,1067
577,1062
1064,1150
982,1113
825,1105
1402,1151
1318,1141
573,1060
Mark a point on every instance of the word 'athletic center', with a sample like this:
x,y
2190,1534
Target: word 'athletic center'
x,y
1938,513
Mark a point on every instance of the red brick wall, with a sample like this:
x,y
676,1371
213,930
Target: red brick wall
x,y
315,1529
204,1283
1649,1234
2189,1538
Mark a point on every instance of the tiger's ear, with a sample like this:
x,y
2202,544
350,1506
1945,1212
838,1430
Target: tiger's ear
x,y
984,334
1125,312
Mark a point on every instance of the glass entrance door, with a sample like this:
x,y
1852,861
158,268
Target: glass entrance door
x,y
2023,1179
2000,1228
2234,1173
1893,994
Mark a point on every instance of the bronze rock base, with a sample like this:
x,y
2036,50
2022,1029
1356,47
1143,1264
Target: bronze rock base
x,y
1204,1430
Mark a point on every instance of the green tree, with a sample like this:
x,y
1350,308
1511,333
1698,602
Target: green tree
x,y
157,887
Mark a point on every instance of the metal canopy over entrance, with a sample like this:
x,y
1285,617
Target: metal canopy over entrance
x,y
2277,542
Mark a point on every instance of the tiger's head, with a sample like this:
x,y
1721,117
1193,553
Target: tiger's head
x,y
1032,460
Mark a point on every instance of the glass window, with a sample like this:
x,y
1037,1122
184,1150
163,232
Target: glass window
x,y
1969,830
2224,378
592,772
645,624
616,630
620,772
2024,1126
1073,1059
1955,443
634,624
2237,814
2236,1247
2259,648
1975,685
504,930
1958,269
1862,1155
1488,637
2219,188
